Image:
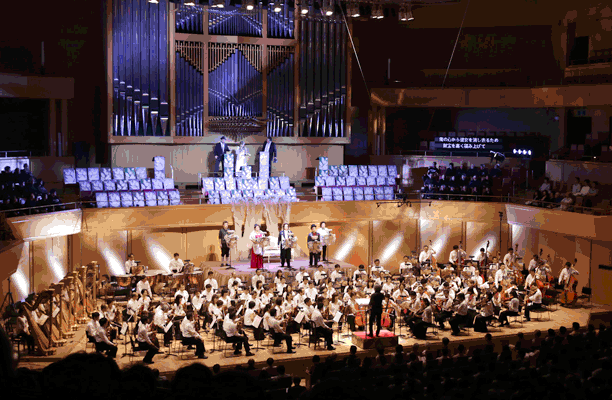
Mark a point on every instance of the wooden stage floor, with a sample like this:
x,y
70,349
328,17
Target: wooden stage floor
x,y
167,364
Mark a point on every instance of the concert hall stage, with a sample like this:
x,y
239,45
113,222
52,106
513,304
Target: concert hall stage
x,y
296,363
244,272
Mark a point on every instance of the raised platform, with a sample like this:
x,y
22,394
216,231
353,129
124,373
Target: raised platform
x,y
385,339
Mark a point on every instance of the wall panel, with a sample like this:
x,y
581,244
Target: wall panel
x,y
443,234
392,240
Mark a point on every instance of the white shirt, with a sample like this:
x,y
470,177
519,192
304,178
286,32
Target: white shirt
x,y
425,255
256,235
388,287
533,264
566,273
92,328
230,282
143,334
311,293
359,272
428,315
188,329
462,308
184,294
230,327
585,190
197,302
318,320
576,187
454,256
399,293
335,275
22,325
208,294
376,268
176,265
509,259
482,256
257,278
318,275
323,232
499,276
160,318
514,305
133,306
213,283
143,285
129,264
536,298
249,317
274,325
101,337
529,280
404,266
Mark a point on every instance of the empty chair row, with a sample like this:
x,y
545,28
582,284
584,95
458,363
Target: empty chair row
x,y
216,184
359,170
324,181
143,184
358,193
138,198
74,175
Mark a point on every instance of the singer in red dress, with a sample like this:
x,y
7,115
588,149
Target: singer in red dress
x,y
257,249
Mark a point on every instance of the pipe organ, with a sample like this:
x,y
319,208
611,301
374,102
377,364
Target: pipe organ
x,y
219,70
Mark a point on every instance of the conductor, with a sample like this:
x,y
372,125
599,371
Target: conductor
x,y
376,309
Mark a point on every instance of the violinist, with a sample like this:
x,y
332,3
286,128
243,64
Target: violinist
x,y
144,341
534,301
319,275
446,311
133,305
208,293
249,315
401,294
177,307
160,319
145,301
258,277
192,337
102,341
487,313
419,329
231,280
336,273
234,334
278,333
183,293
405,266
388,286
142,285
531,278
513,310
461,314
312,291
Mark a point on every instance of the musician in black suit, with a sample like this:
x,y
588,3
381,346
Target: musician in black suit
x,y
376,309
312,237
285,253
220,149
270,148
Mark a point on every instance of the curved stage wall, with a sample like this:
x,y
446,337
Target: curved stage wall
x,y
365,231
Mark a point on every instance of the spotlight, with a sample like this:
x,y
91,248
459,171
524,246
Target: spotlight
x,y
353,10
219,3
250,4
304,9
327,8
409,16
277,7
377,12
154,1
513,151
189,3
529,152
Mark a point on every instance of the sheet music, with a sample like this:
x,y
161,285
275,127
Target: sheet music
x,y
167,327
337,317
257,321
266,327
56,311
124,328
299,317
240,309
214,321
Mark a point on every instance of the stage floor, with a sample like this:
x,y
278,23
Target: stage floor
x,y
168,363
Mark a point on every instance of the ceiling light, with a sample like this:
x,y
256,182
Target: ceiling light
x,y
327,8
250,4
377,12
219,3
409,16
304,10
190,3
154,1
353,10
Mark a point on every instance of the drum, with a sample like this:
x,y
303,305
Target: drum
x,y
124,280
329,239
138,270
196,279
314,246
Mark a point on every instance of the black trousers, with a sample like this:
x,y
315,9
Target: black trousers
x,y
503,316
324,253
279,337
197,343
376,315
151,351
327,334
443,316
480,323
29,339
419,329
225,250
240,340
314,259
110,350
285,255
531,307
458,320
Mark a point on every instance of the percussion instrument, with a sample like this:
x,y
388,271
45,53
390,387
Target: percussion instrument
x,y
314,246
329,239
123,280
138,270
196,279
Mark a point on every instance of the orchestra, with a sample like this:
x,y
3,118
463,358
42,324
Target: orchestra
x,y
424,294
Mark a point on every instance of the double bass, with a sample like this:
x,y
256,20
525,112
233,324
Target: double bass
x,y
570,294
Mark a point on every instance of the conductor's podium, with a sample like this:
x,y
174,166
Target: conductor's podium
x,y
386,339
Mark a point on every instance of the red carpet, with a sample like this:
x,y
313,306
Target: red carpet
x,y
383,334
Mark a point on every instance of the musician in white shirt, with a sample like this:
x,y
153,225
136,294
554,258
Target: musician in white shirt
x,y
323,232
160,319
176,264
191,337
335,273
212,281
299,277
426,254
278,333
535,301
22,330
249,315
482,257
102,341
531,278
322,328
405,265
566,273
208,293
360,272
182,292
232,279
533,264
456,255
419,329
258,277
376,267
92,327
461,314
133,305
129,264
143,284
388,286
312,291
513,309
319,275
144,341
509,258
234,335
